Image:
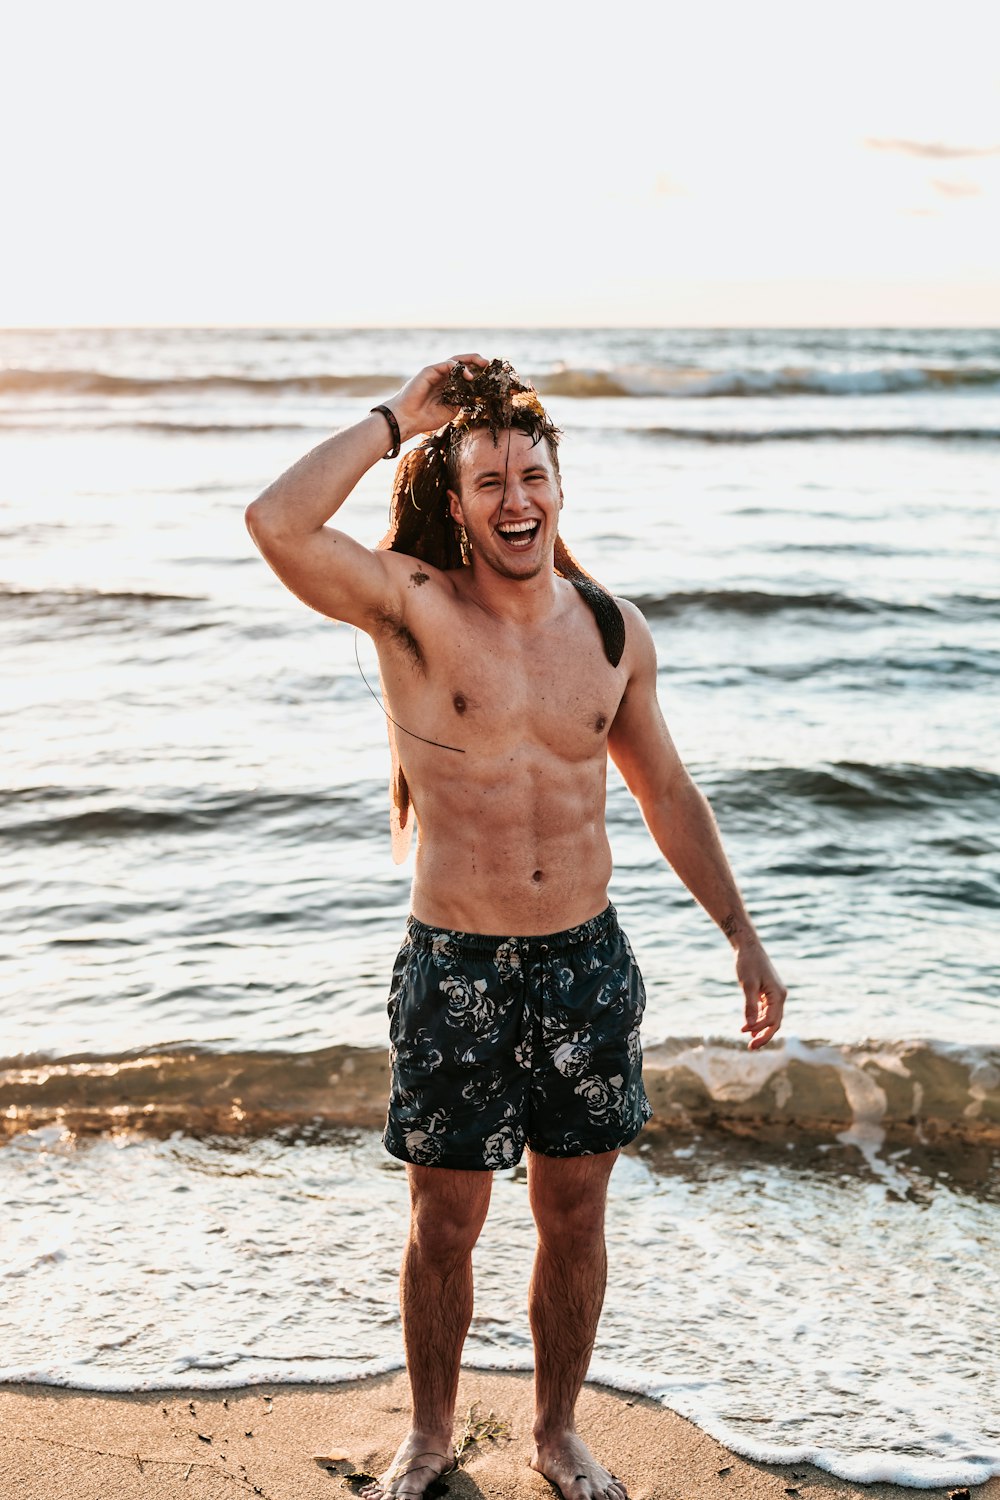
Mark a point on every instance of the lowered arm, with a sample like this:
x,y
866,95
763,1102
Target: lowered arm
x,y
684,827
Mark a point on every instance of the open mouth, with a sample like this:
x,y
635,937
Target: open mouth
x,y
518,534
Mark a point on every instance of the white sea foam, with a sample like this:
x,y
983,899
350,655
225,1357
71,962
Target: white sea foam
x,y
208,1265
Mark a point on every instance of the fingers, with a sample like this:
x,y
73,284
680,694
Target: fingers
x,y
444,370
764,1011
469,359
767,1023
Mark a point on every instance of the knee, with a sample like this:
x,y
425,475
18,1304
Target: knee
x,y
445,1233
571,1224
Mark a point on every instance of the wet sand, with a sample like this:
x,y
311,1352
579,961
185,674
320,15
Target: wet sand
x,y
263,1441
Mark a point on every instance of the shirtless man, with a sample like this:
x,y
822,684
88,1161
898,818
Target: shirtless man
x,y
530,1038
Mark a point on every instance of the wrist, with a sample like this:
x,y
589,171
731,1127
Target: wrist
x,y
407,427
740,932
387,417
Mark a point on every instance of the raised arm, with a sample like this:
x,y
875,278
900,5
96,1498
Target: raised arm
x,y
324,567
682,823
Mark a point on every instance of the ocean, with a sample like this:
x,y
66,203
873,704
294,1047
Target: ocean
x,y
201,909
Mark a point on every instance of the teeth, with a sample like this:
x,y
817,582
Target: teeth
x,y
513,526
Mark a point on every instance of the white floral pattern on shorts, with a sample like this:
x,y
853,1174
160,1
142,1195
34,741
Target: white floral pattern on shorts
x,y
502,1042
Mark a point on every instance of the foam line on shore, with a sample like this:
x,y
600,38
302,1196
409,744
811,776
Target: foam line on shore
x,y
865,1467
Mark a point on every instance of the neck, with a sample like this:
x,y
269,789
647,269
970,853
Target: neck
x,y
522,601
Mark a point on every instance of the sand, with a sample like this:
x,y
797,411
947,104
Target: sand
x,y
58,1444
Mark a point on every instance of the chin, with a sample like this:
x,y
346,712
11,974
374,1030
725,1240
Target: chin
x,y
529,568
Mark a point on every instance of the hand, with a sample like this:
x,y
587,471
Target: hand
x,y
416,406
764,991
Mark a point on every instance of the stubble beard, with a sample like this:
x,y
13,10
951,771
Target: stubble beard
x,y
498,564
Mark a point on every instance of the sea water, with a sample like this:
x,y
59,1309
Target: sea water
x,y
193,817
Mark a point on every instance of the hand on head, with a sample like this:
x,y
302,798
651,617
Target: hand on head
x,y
417,405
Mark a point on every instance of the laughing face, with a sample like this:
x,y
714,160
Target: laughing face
x,y
511,527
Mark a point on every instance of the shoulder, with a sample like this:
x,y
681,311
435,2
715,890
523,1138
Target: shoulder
x,y
415,603
414,581
639,658
635,620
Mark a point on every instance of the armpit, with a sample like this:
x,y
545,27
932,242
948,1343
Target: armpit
x,y
389,625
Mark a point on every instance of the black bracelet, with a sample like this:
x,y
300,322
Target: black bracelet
x,y
394,425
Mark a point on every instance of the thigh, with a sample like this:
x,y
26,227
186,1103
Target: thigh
x,y
448,1207
568,1194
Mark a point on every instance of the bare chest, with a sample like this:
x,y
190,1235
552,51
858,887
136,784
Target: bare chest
x,y
500,690
562,700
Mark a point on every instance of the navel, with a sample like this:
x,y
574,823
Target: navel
x,y
460,703
537,875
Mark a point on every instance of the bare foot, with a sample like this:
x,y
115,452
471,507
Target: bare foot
x,y
568,1463
420,1460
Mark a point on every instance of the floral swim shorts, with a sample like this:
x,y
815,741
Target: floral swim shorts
x,y
503,1042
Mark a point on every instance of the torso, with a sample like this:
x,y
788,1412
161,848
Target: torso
x,y
512,830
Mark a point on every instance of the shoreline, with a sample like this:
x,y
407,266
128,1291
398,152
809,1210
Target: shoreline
x,y
57,1443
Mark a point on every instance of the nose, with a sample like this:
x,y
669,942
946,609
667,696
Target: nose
x,y
516,496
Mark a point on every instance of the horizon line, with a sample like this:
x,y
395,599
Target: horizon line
x,y
497,327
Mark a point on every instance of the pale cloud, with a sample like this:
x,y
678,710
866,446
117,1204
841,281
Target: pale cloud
x,y
668,187
955,189
933,149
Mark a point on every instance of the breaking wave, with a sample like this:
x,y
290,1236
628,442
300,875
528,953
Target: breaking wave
x,y
858,786
762,602
869,1092
577,381
659,380
99,383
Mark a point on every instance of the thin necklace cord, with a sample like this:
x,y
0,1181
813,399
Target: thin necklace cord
x,y
456,748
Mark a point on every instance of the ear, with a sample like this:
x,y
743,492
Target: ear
x,y
455,507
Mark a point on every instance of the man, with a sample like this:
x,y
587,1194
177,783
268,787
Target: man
x,y
515,1004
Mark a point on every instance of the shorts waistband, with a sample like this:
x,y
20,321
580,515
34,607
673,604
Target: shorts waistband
x,y
595,930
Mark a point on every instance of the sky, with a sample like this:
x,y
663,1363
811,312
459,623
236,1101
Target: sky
x,y
486,165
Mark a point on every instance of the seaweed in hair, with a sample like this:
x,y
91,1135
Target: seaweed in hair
x,y
488,397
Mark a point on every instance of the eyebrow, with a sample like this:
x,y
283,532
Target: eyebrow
x,y
495,473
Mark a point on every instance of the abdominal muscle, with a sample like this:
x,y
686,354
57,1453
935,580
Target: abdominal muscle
x,y
516,848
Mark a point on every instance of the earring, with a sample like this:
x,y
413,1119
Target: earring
x,y
465,545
